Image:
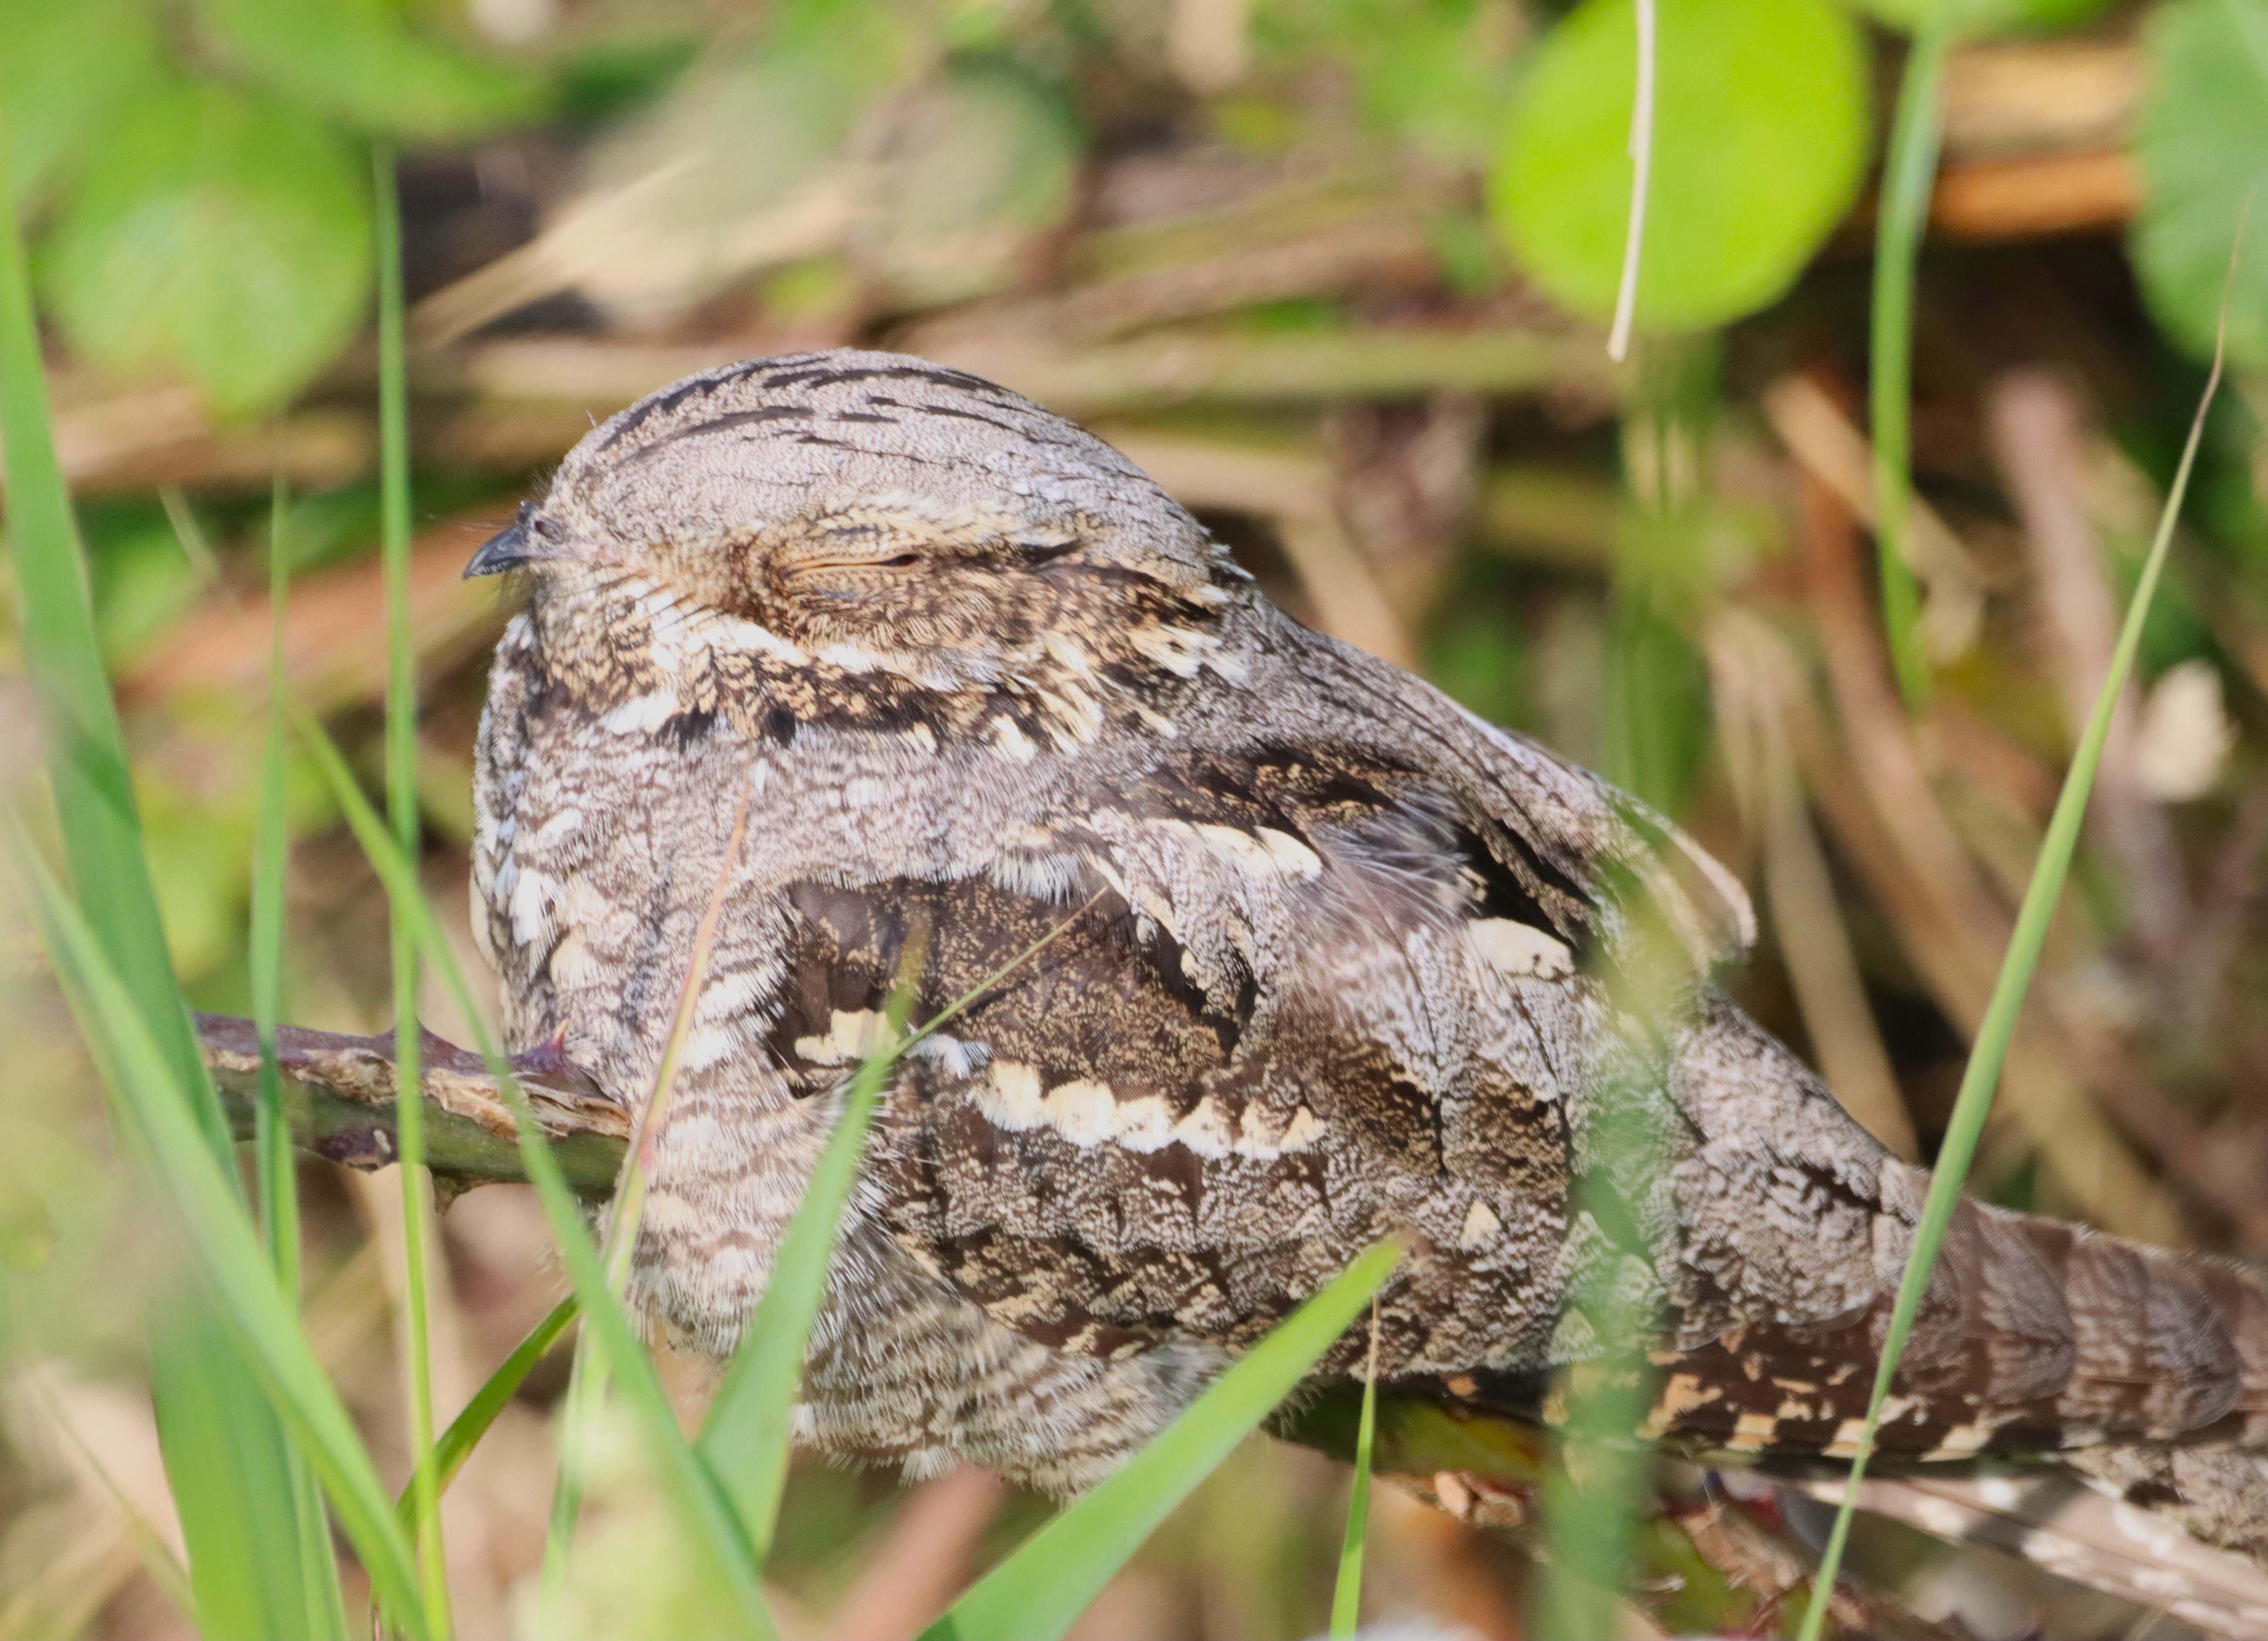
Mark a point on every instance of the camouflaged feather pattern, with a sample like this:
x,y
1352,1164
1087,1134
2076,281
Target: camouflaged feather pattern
x,y
1336,962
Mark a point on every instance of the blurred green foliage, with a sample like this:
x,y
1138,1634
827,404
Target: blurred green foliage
x,y
357,61
1760,142
1985,17
2202,144
190,164
216,231
1435,73
194,170
206,211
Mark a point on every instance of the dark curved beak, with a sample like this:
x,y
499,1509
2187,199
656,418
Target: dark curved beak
x,y
533,538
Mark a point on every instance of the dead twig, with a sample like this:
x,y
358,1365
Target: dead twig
x,y
1829,447
2058,1523
2039,442
1753,679
334,653
339,1094
1953,928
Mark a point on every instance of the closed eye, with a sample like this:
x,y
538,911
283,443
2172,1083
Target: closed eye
x,y
903,561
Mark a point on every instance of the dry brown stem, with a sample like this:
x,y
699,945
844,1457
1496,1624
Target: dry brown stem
x,y
339,1094
2039,440
334,653
1952,928
1754,680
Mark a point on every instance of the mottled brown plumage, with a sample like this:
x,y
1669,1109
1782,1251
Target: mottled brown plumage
x,y
1341,960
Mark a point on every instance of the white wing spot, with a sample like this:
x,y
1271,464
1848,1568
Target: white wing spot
x,y
1752,1432
1145,1124
1302,1131
1511,947
531,905
849,658
643,714
1961,1442
1480,1228
1089,1114
1010,1096
750,638
1683,1394
850,1037
558,827
1013,740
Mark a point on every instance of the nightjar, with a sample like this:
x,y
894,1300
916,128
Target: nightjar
x,y
1337,960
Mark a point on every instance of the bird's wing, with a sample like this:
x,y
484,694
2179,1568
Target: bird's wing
x,y
1307,996
1598,855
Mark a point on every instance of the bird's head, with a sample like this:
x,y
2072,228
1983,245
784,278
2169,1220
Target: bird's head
x,y
877,512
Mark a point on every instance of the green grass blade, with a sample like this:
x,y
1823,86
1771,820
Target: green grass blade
x,y
1347,1594
276,1174
578,1416
1593,1504
249,1528
228,1256
402,811
1908,176
1981,1079
687,1483
86,754
456,1443
1048,1581
393,508
274,1165
750,1429
252,1540
587,1386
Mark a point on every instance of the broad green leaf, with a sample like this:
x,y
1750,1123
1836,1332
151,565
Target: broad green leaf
x,y
983,161
680,189
215,232
66,72
1050,1579
1760,137
2202,141
1434,73
1986,17
360,62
